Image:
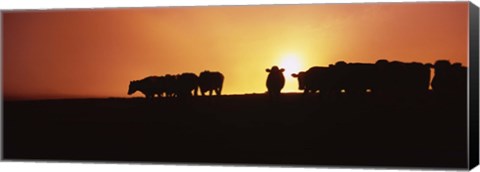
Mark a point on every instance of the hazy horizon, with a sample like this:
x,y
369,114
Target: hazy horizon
x,y
95,53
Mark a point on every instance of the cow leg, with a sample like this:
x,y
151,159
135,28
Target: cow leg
x,y
210,92
278,93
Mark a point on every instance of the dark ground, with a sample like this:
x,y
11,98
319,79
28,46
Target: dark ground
x,y
249,129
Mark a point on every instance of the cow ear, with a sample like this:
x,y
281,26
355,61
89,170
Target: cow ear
x,y
268,70
282,70
294,75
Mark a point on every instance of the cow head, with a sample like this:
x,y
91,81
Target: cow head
x,y
382,64
442,64
133,87
442,67
341,63
301,79
457,65
275,69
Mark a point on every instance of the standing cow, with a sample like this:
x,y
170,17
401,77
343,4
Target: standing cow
x,y
354,79
210,81
149,86
450,79
314,79
185,84
402,80
275,81
170,85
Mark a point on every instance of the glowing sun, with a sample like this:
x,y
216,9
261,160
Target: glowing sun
x,y
291,64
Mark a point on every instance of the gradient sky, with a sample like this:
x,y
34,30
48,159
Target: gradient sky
x,y
95,53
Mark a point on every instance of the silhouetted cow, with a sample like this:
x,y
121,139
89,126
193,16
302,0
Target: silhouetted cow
x,y
275,81
450,79
170,85
185,84
341,78
460,73
210,81
149,86
398,79
417,78
359,79
353,79
315,79
442,81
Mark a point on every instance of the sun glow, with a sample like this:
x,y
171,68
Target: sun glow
x,y
238,41
291,64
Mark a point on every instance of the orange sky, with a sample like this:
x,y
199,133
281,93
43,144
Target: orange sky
x,y
95,53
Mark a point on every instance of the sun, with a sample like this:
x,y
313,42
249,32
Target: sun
x,y
291,64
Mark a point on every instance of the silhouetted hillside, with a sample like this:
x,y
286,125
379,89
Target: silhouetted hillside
x,y
247,129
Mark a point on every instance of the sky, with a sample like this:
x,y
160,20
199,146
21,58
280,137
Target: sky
x,y
96,52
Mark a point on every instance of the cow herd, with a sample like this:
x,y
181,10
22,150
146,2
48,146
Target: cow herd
x,y
386,78
390,79
180,85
